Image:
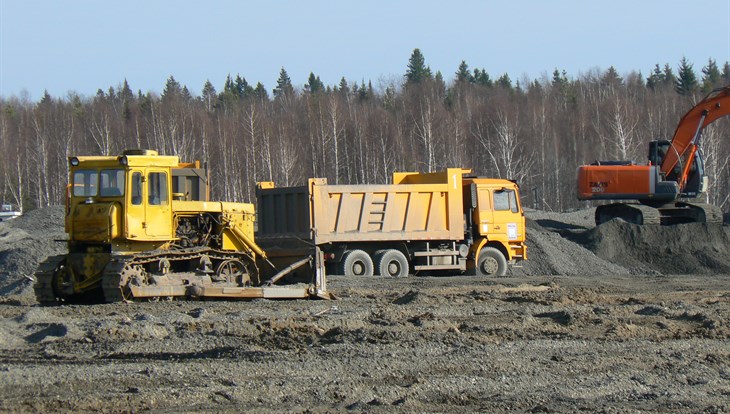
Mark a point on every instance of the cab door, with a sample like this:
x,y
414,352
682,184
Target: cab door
x,y
158,208
507,216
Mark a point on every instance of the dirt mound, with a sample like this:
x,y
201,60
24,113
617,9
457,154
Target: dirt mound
x,y
24,243
550,253
695,248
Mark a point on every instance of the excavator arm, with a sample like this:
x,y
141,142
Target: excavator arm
x,y
685,142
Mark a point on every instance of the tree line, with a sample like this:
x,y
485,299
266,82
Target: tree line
x,y
535,131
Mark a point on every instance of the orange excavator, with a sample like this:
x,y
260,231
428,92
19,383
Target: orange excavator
x,y
674,173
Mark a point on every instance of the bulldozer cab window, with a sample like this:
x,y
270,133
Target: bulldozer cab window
x,y
505,200
85,183
157,190
137,188
112,183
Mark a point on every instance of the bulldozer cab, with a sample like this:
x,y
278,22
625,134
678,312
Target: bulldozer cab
x,y
129,197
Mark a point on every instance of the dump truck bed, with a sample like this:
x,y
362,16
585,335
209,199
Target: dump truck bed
x,y
417,207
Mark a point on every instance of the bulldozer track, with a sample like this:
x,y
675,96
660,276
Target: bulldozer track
x,y
43,287
135,269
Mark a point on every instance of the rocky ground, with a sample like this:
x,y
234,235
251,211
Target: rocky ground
x,y
617,318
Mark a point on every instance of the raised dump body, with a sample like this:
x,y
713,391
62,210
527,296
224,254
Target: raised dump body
x,y
445,221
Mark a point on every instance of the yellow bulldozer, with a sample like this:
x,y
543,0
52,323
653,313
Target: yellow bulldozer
x,y
141,226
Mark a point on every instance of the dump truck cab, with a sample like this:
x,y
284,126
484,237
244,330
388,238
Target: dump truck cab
x,y
495,220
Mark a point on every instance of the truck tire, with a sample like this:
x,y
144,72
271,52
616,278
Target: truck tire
x,y
392,263
356,263
491,263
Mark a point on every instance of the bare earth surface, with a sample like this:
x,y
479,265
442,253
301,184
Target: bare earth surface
x,y
610,319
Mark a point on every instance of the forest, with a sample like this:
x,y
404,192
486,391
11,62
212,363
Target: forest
x,y
534,131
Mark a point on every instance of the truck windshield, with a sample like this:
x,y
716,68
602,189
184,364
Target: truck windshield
x,y
105,183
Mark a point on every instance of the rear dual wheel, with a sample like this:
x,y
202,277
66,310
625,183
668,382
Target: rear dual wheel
x,y
391,263
356,263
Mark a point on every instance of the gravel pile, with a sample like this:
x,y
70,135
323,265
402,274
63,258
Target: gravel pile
x,y
24,243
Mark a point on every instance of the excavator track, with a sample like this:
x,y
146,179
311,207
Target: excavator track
x,y
672,213
43,287
711,214
632,213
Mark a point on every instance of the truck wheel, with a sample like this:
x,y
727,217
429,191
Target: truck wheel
x,y
356,263
392,263
491,263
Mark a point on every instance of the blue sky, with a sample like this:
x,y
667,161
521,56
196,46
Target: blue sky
x,y
83,45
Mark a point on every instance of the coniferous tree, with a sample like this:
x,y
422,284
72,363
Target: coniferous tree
x,y
710,76
172,89
314,84
284,87
260,92
505,82
243,89
686,83
417,70
126,94
344,88
669,78
481,77
209,96
611,77
726,73
560,80
463,74
656,79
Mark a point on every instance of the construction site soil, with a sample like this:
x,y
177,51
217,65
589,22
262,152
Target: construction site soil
x,y
618,318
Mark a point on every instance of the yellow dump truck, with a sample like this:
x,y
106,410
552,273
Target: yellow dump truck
x,y
141,226
449,221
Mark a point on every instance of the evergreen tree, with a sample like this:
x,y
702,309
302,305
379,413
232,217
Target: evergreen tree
x,y
505,82
126,94
243,89
481,77
726,73
172,89
209,96
669,78
284,87
362,93
47,100
611,77
560,80
686,83
417,70
185,94
463,74
656,79
260,92
314,84
711,76
344,88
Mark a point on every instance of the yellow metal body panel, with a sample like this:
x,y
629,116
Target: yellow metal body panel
x,y
420,207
